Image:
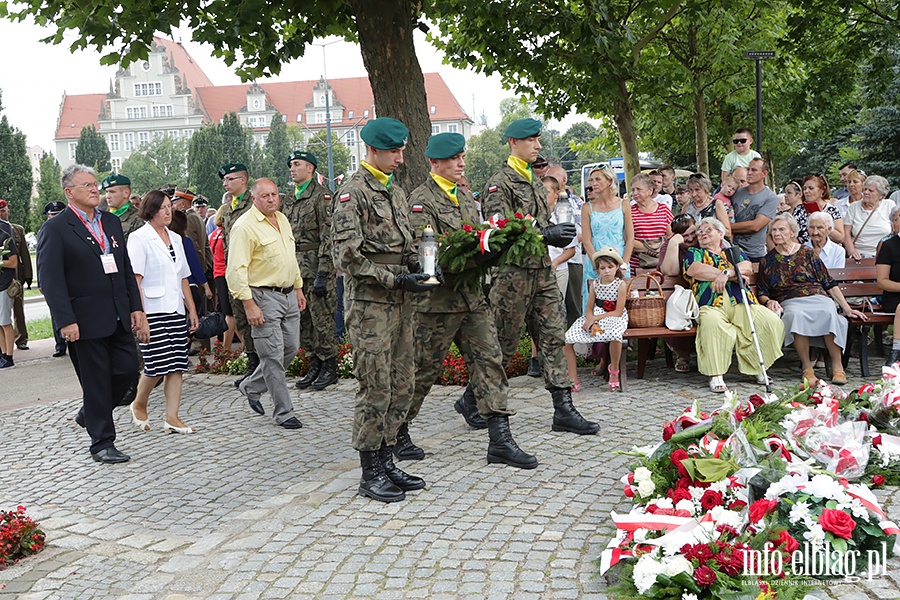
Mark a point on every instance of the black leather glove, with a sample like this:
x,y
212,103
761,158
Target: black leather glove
x,y
319,284
411,282
559,235
480,258
439,274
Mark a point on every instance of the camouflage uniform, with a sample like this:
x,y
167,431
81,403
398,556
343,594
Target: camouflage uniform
x,y
526,291
443,314
229,216
196,230
131,222
310,217
372,241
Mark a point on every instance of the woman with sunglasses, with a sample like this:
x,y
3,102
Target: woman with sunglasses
x,y
816,198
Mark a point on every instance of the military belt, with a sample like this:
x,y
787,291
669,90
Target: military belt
x,y
304,247
382,258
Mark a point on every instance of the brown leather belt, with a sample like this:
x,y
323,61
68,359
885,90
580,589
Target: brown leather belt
x,y
384,258
305,247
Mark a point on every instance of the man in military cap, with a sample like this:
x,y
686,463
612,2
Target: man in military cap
x,y
24,275
308,209
236,201
51,209
526,291
445,314
372,241
118,196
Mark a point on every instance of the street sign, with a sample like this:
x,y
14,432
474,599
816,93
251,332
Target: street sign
x,y
759,54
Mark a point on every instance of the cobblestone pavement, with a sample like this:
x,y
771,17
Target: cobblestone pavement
x,y
244,509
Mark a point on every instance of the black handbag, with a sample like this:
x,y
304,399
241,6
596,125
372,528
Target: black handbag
x,y
210,326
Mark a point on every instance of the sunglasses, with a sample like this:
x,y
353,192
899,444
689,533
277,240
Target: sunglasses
x,y
539,165
739,140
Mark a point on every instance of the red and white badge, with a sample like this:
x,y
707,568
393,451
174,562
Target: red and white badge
x,y
344,197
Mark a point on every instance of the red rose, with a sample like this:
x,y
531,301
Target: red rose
x,y
784,541
502,223
878,480
761,508
652,509
863,417
737,505
711,499
704,576
757,400
467,228
520,215
676,457
678,494
876,440
668,431
684,483
609,305
837,522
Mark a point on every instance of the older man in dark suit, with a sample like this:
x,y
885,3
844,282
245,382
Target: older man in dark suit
x,y
94,299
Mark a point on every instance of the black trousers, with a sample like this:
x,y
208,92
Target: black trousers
x,y
105,367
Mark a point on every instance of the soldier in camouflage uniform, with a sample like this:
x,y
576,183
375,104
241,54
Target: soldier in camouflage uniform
x,y
236,180
309,211
444,314
526,291
118,197
373,248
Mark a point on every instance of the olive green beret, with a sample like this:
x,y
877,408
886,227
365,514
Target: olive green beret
x,y
384,133
303,155
523,128
114,180
231,168
445,145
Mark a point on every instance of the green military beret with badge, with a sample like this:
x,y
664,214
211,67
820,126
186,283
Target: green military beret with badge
x,y
114,180
523,128
385,133
231,168
445,145
303,155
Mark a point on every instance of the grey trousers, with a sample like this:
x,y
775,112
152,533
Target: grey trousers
x,y
276,341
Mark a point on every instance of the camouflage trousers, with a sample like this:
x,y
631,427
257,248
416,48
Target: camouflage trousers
x,y
532,297
240,321
317,329
476,338
384,366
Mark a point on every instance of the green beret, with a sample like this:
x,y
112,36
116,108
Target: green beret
x,y
231,168
303,155
114,180
384,133
523,128
445,145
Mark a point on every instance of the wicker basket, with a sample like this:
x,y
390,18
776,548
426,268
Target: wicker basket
x,y
646,310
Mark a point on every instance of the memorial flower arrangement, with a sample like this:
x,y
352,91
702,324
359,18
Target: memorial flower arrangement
x,y
20,536
758,499
500,241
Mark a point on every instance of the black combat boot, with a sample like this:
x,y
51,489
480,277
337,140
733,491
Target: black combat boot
x,y
893,356
315,365
252,363
566,417
374,482
467,407
404,449
404,481
327,376
503,448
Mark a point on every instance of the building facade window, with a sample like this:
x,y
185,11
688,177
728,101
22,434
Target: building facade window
x,y
174,134
320,117
257,122
72,146
116,164
351,138
153,88
453,128
143,138
435,129
188,134
163,110
112,140
136,112
353,164
159,134
128,138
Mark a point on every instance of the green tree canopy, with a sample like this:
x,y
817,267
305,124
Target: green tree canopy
x,y
162,161
15,172
278,149
212,146
92,150
48,187
340,155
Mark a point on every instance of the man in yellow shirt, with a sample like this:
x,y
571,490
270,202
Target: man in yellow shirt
x,y
263,275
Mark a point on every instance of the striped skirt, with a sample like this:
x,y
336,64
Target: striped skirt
x,y
167,350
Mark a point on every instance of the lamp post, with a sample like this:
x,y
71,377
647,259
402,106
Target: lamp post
x,y
328,114
759,55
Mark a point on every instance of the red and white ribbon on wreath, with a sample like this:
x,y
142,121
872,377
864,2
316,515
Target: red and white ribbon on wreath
x,y
483,236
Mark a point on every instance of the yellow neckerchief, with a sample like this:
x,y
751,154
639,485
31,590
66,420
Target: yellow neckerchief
x,y
521,167
235,200
448,186
121,210
299,188
384,178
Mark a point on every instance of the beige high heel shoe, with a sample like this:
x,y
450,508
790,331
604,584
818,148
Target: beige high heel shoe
x,y
172,429
142,425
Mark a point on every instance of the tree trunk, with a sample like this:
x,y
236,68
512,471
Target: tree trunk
x,y
389,55
624,114
701,133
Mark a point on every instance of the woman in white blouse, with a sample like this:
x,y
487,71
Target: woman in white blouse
x,y
868,220
162,271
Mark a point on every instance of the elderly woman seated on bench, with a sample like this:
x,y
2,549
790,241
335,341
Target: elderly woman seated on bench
x,y
793,280
724,325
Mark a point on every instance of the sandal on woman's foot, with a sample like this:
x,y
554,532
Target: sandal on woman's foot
x,y
810,376
839,377
576,387
717,384
682,365
614,386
